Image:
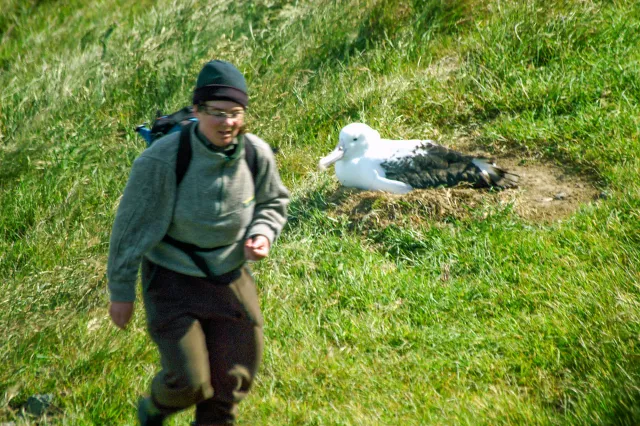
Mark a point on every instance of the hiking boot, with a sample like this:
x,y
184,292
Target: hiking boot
x,y
148,413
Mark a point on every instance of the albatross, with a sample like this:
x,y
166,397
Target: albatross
x,y
366,161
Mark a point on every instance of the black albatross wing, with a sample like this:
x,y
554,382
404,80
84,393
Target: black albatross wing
x,y
431,165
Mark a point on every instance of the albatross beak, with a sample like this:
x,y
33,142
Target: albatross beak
x,y
334,156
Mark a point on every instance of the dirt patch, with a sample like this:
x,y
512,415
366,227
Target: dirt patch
x,y
545,194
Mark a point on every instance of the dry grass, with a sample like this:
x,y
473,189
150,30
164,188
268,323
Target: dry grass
x,y
546,194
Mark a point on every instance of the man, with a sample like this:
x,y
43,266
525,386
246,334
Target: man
x,y
193,239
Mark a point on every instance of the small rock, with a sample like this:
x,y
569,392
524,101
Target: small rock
x,y
37,405
605,195
560,196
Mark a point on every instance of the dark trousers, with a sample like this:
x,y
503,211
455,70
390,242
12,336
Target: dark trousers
x,y
210,341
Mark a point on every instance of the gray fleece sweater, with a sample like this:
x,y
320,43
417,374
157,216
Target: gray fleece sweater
x,y
215,205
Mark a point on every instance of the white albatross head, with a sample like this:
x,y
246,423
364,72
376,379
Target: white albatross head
x,y
354,140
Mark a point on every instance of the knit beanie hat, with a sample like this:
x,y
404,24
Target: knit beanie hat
x,y
220,80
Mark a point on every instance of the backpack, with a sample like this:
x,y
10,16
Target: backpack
x,y
181,121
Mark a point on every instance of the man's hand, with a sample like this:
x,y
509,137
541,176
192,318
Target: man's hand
x,y
257,248
121,313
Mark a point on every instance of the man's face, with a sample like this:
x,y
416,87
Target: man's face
x,y
220,121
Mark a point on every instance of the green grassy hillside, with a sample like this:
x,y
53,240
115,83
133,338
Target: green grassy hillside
x,y
483,318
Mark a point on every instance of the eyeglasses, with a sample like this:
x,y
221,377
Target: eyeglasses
x,y
223,115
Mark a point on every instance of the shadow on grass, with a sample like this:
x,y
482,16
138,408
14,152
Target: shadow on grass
x,y
13,166
626,410
15,163
313,205
384,23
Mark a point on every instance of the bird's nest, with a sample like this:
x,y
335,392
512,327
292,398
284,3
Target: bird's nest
x,y
546,194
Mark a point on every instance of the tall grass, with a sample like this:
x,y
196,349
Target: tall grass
x,y
486,320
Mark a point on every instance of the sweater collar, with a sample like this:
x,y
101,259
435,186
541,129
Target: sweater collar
x,y
230,152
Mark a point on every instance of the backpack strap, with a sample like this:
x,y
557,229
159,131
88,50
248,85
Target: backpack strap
x,y
184,153
191,249
251,157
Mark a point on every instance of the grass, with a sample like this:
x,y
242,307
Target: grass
x,y
487,319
